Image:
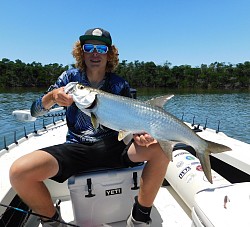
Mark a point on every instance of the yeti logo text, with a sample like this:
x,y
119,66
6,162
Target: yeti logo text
x,y
113,191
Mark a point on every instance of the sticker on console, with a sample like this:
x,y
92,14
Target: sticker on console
x,y
183,172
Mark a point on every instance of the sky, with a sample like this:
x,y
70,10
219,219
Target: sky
x,y
180,32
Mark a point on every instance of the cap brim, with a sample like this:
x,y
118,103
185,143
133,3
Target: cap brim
x,y
83,38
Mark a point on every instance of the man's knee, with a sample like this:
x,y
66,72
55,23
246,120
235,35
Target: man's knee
x,y
38,166
16,172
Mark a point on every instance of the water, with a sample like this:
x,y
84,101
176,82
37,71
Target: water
x,y
231,109
18,99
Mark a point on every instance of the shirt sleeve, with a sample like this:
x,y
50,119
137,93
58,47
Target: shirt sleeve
x,y
37,109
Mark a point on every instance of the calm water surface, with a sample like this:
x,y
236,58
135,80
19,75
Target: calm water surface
x,y
231,109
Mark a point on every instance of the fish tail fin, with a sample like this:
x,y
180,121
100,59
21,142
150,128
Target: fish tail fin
x,y
206,165
216,147
212,147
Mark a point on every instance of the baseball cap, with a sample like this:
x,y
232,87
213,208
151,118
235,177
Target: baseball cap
x,y
96,34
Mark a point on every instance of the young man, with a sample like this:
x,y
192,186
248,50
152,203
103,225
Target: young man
x,y
86,147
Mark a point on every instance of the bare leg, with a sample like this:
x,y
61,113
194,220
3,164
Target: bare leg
x,y
153,173
27,175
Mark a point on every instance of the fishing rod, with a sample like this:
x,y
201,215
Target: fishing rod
x,y
35,214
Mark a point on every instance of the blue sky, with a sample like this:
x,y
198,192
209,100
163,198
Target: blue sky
x,y
181,32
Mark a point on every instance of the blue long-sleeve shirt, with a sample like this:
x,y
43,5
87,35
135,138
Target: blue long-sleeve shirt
x,y
80,129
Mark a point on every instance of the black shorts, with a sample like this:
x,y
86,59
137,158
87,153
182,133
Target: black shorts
x,y
74,158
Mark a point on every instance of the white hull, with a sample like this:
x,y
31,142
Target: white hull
x,y
174,203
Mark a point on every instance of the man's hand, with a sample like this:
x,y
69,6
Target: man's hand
x,y
57,96
144,139
61,98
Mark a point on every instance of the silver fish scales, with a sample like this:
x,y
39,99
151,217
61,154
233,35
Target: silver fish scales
x,y
129,116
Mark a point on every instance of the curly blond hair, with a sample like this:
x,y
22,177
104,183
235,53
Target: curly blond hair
x,y
112,63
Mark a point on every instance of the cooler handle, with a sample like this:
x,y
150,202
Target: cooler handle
x,y
89,185
135,181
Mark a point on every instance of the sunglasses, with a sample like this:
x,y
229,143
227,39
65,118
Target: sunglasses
x,y
89,48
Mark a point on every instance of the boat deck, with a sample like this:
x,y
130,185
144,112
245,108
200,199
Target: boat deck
x,y
169,209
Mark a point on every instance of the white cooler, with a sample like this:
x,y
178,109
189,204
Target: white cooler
x,y
104,196
227,206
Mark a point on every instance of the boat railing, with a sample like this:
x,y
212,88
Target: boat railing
x,y
27,128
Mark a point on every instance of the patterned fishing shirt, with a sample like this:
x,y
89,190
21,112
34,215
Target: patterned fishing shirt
x,y
80,129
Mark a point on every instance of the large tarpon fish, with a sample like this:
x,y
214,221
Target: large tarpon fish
x,y
130,116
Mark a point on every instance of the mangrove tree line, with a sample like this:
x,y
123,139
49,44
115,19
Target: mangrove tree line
x,y
139,74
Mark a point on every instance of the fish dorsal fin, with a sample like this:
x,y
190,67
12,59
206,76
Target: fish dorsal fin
x,y
159,101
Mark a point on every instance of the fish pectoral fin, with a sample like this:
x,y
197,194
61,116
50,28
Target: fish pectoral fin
x,y
159,101
167,147
94,121
126,136
205,163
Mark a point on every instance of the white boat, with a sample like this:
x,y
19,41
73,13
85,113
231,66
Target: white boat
x,y
105,197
